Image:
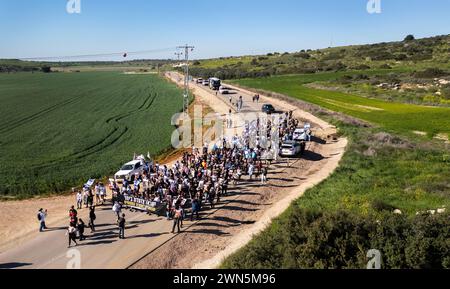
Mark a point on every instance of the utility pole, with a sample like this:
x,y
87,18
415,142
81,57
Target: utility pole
x,y
186,76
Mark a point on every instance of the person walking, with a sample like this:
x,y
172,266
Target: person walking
x,y
117,209
92,218
177,219
195,209
81,226
90,199
251,169
102,193
263,176
42,215
97,194
230,119
73,214
121,223
72,233
85,198
79,200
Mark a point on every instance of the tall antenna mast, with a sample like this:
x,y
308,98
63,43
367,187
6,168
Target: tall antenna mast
x,y
186,76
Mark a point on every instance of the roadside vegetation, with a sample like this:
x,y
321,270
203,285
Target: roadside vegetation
x,y
340,240
60,129
426,87
390,194
410,54
410,71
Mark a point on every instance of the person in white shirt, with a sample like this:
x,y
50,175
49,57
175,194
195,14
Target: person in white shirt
x,y
72,233
79,200
117,209
102,189
85,197
97,194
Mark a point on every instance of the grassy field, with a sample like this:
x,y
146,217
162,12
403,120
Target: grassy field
x,y
59,129
396,117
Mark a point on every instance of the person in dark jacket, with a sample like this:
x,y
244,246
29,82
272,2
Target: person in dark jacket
x,y
195,209
80,228
92,218
121,223
177,219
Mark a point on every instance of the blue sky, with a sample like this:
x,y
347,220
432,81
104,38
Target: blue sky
x,y
42,28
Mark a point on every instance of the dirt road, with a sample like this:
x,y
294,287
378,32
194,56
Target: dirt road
x,y
254,207
248,209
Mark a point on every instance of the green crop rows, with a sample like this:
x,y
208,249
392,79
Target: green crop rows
x,y
57,130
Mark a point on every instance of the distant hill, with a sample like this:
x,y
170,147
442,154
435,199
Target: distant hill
x,y
407,54
16,65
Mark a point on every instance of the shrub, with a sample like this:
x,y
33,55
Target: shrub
x,y
430,73
410,37
46,69
311,239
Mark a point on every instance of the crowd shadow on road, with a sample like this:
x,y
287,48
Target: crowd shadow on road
x,y
208,231
150,235
242,202
14,265
105,242
312,156
210,224
233,221
318,140
235,208
55,229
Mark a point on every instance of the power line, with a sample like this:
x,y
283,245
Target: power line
x,y
124,54
186,48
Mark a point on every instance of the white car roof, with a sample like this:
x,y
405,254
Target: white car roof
x,y
133,162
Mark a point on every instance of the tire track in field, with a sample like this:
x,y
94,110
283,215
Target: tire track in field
x,y
17,123
113,137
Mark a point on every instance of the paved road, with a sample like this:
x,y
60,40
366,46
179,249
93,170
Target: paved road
x,y
102,249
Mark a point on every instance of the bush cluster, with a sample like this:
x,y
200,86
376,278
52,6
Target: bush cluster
x,y
340,240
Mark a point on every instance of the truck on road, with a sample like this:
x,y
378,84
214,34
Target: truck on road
x,y
215,83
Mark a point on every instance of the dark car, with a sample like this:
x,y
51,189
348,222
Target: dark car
x,y
268,108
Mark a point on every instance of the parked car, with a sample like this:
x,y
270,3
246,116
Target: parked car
x,y
291,149
200,81
129,171
299,135
224,90
205,82
268,108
